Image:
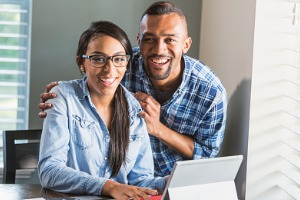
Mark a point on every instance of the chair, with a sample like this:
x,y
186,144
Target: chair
x,y
20,151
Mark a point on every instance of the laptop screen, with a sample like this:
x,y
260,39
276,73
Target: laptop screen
x,y
196,174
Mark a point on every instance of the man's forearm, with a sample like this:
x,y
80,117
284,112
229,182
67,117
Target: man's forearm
x,y
182,144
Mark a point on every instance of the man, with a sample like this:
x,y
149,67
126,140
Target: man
x,y
184,103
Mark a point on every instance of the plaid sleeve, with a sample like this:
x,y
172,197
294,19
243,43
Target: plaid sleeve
x,y
210,134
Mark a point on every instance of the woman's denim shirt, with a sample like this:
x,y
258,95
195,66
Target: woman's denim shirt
x,y
74,145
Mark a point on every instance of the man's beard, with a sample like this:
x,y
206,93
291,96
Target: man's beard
x,y
158,77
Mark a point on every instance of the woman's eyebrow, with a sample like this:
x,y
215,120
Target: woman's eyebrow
x,y
103,54
97,53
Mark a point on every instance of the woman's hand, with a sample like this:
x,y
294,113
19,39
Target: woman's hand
x,y
125,192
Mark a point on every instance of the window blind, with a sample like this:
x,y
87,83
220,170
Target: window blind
x,y
15,39
14,63
274,135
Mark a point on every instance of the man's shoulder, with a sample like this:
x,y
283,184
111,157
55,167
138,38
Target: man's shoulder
x,y
136,57
136,68
135,49
196,65
199,71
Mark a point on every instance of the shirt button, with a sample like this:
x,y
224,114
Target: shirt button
x,y
107,138
105,158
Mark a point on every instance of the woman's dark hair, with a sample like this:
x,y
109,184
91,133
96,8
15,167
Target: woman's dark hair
x,y
119,133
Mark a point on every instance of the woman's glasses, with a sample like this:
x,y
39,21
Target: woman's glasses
x,y
100,61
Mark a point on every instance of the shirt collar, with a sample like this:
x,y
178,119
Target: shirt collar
x,y
83,91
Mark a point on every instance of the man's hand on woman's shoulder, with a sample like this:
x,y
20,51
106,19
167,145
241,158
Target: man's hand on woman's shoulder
x,y
44,97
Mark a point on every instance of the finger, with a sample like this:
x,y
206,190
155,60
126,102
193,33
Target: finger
x,y
146,98
50,86
42,114
132,196
148,191
141,96
44,106
45,96
147,109
143,105
143,114
145,192
137,195
150,108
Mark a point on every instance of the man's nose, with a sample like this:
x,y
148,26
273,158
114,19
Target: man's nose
x,y
160,47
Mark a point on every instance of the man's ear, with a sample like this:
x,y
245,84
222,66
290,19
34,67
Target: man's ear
x,y
187,44
138,39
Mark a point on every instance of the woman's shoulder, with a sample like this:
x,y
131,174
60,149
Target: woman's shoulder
x,y
68,86
133,103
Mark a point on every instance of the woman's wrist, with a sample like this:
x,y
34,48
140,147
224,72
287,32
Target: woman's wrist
x,y
108,187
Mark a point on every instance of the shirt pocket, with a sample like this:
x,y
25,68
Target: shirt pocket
x,y
83,133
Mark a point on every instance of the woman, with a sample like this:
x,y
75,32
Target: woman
x,y
93,141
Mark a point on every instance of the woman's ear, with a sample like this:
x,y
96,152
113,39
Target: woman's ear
x,y
82,69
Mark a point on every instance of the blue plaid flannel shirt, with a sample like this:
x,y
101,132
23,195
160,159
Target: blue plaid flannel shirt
x,y
196,109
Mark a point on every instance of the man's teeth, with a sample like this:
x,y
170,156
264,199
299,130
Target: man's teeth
x,y
159,60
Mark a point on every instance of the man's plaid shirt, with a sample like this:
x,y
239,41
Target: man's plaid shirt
x,y
196,109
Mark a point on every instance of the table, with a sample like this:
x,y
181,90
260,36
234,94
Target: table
x,y
31,191
27,191
20,191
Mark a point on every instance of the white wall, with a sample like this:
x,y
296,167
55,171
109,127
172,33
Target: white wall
x,y
226,46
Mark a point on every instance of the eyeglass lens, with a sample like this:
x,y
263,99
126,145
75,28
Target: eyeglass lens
x,y
118,60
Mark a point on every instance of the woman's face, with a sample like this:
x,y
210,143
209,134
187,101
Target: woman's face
x,y
105,80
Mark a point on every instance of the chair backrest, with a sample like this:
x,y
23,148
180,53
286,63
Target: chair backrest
x,y
20,151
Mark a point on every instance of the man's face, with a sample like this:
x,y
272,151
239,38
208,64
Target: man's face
x,y
162,40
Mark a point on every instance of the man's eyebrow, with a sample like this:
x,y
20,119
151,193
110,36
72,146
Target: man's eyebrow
x,y
148,34
164,34
170,34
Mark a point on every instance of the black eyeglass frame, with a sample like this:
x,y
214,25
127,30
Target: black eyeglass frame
x,y
106,59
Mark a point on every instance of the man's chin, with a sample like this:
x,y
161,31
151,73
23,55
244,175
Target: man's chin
x,y
159,77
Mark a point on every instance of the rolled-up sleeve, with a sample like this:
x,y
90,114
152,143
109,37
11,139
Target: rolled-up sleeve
x,y
209,137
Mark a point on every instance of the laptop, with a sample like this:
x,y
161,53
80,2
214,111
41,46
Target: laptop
x,y
211,178
208,179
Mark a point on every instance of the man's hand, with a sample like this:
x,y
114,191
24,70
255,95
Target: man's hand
x,y
183,144
150,113
44,97
125,192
